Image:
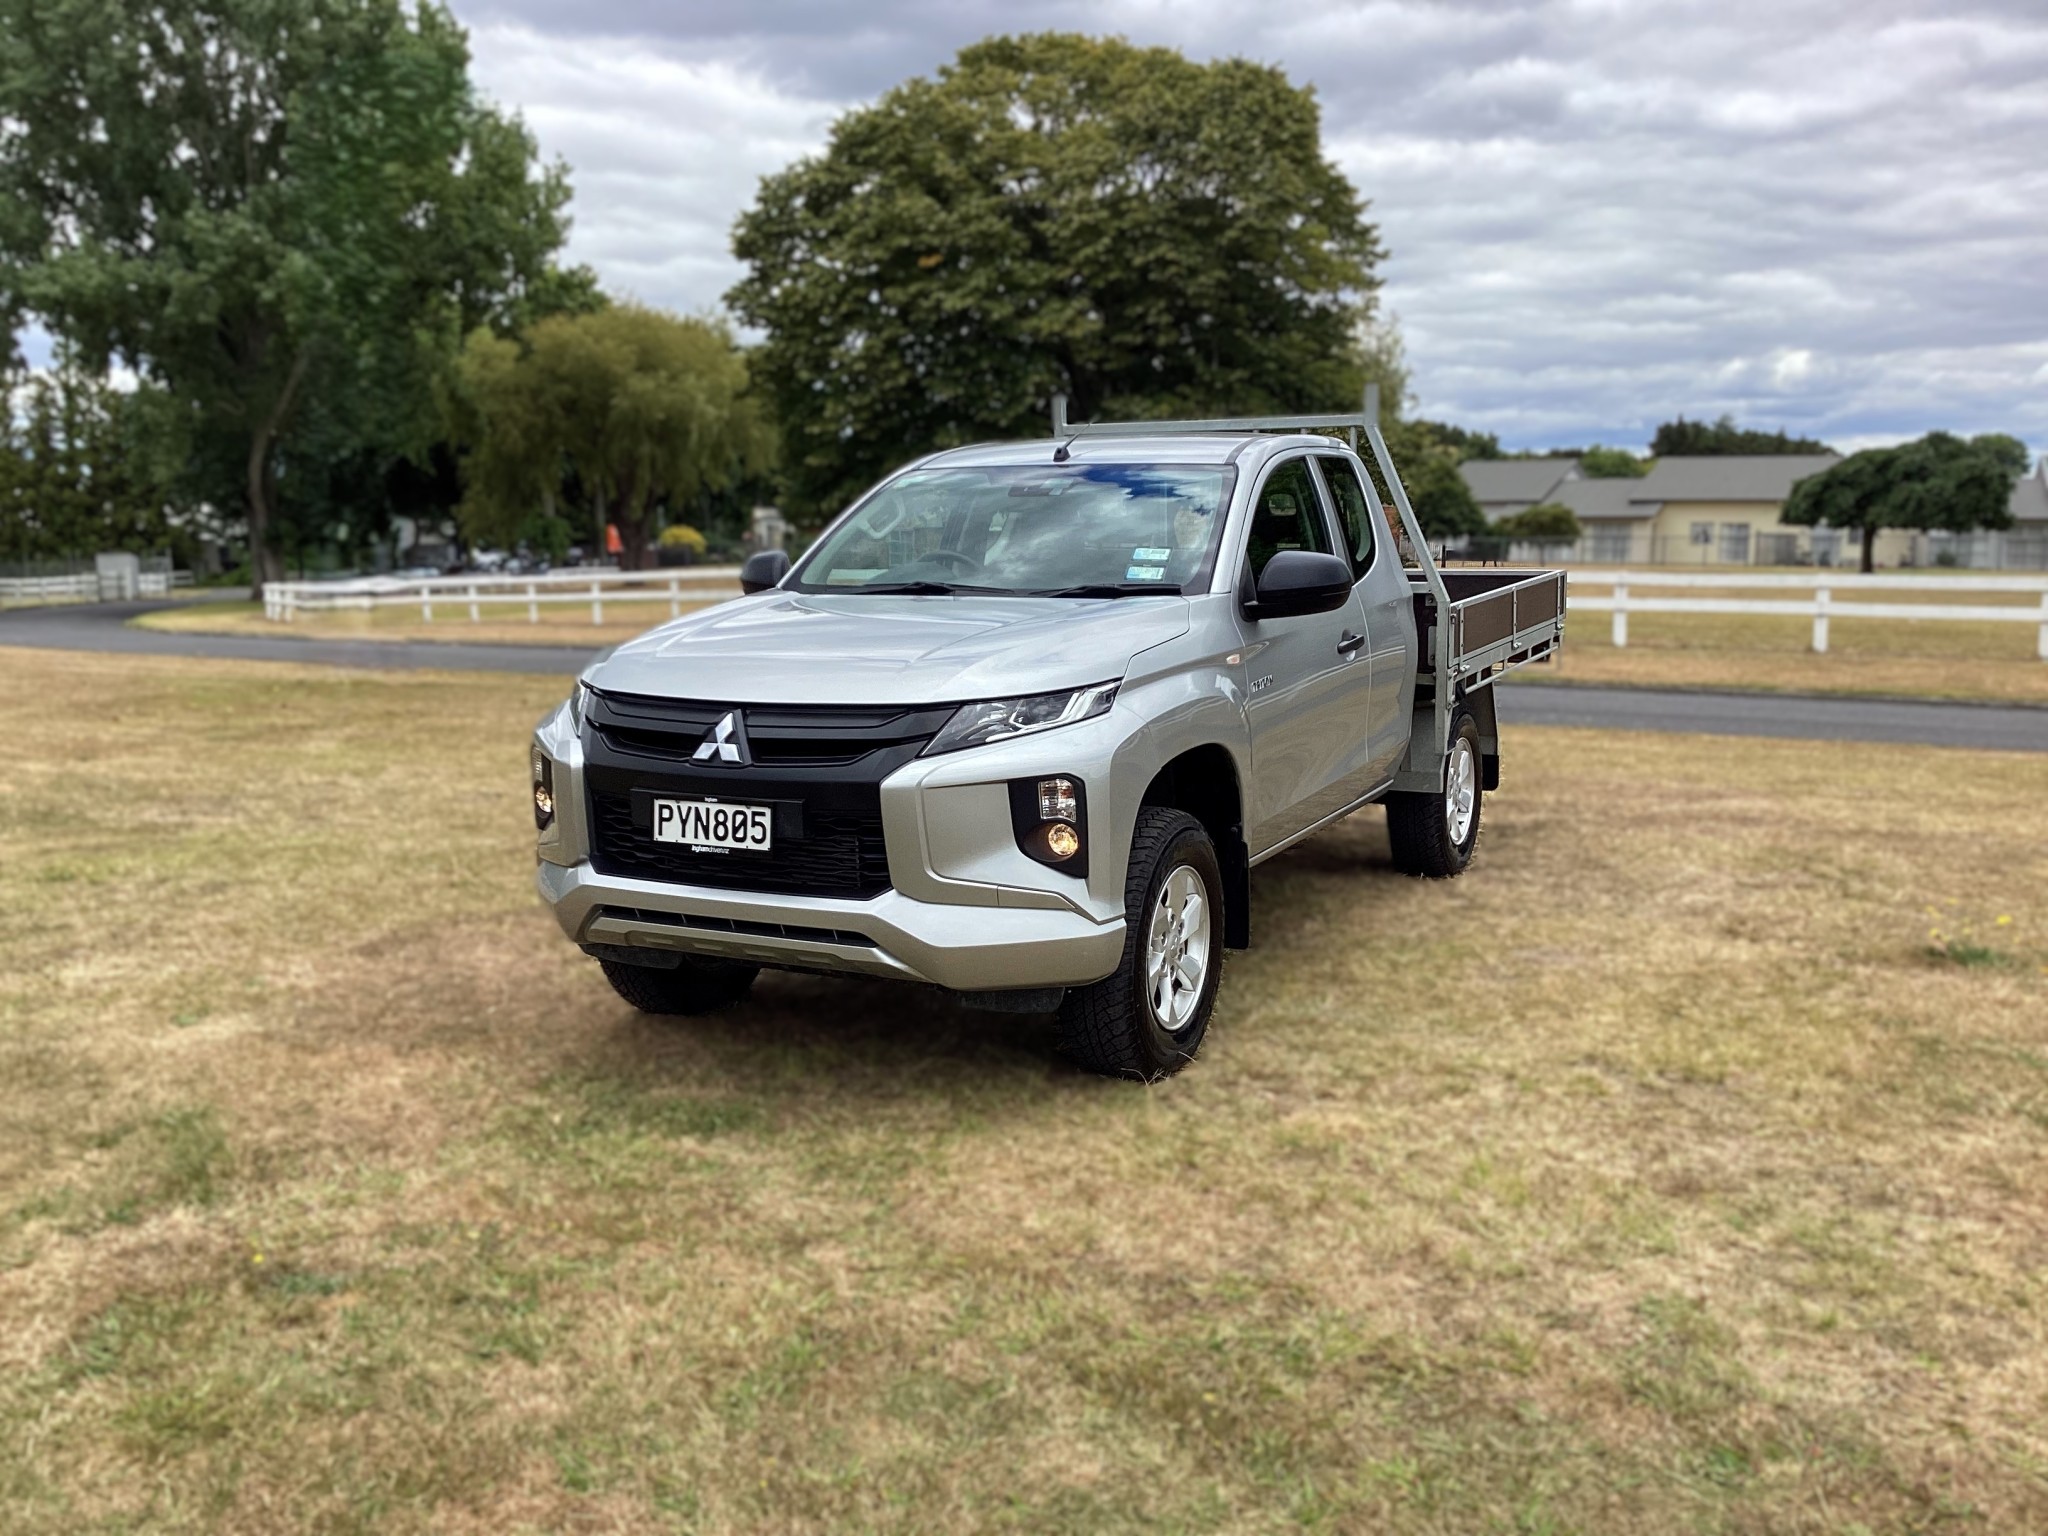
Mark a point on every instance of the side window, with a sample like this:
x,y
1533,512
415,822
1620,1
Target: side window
x,y
1288,515
1354,511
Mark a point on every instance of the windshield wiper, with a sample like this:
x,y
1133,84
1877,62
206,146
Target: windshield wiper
x,y
916,588
1111,589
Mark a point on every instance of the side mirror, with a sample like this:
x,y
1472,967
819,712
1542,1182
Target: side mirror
x,y
765,568
1299,581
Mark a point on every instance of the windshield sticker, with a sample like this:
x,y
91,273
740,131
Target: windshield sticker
x,y
1145,573
1151,554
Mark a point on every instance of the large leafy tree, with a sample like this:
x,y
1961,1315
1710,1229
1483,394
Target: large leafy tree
x,y
1151,236
616,414
1939,481
1722,436
284,213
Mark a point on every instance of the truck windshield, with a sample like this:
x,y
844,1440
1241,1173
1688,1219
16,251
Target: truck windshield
x,y
1068,530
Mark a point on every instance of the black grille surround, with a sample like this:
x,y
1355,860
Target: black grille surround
x,y
821,766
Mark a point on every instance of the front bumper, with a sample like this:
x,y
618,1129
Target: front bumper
x,y
965,909
965,948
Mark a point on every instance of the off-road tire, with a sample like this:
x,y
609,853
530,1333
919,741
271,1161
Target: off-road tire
x,y
1109,1026
1419,826
694,987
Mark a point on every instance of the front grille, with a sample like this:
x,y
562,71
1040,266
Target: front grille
x,y
838,855
820,765
780,736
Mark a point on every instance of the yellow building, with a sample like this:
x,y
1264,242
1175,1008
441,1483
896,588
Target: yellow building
x,y
1706,510
1724,510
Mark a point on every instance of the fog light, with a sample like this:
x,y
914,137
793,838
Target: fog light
x,y
543,791
1049,817
1057,801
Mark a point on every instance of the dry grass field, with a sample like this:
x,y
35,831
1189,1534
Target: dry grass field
x,y
1681,1169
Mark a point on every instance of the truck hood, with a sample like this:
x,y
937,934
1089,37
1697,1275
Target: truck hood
x,y
821,648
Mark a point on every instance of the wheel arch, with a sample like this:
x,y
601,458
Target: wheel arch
x,y
1203,781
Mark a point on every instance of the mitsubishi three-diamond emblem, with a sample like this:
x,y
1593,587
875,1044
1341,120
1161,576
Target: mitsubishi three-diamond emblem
x,y
725,742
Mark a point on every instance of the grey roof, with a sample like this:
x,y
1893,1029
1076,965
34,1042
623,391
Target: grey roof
x,y
2030,496
1730,477
1596,499
1519,481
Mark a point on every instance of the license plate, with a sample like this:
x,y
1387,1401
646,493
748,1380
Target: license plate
x,y
714,824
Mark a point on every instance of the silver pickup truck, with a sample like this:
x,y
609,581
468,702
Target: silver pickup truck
x,y
1023,719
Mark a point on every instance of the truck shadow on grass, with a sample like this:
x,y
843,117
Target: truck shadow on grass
x,y
867,1038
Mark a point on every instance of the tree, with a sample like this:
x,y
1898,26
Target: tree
x,y
1153,237
1548,522
1598,463
621,412
1383,360
1935,482
75,476
1469,444
1724,437
285,213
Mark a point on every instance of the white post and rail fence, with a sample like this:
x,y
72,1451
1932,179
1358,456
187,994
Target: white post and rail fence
x,y
460,597
1821,596
1638,591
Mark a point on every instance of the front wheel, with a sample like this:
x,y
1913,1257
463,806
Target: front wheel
x,y
1147,1019
1434,835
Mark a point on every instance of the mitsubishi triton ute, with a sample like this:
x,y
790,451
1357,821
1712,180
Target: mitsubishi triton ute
x,y
1022,720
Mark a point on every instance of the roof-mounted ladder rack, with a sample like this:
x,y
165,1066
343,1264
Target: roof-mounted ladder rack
x,y
1350,424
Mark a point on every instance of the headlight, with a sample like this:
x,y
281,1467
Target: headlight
x,y
973,725
579,700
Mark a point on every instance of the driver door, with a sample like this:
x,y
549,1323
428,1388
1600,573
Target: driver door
x,y
1306,676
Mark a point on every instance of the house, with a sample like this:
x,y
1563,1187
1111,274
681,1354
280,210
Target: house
x,y
1503,487
1695,510
1617,526
1723,510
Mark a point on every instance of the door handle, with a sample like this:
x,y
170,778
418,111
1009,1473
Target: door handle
x,y
1350,644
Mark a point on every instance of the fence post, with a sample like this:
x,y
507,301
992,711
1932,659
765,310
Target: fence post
x,y
1621,614
288,596
1820,621
532,605
2042,648
427,604
596,602
675,596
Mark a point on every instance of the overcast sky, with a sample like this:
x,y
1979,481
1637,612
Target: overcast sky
x,y
1824,216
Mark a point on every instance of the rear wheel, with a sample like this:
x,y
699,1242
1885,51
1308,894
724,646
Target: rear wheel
x,y
1434,835
1147,1019
696,986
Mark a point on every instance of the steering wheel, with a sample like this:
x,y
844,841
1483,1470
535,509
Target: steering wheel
x,y
961,562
